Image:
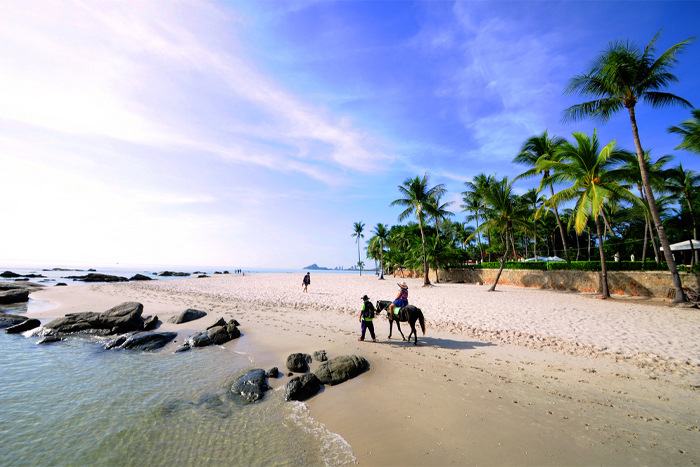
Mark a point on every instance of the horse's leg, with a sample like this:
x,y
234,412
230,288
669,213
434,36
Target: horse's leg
x,y
398,326
391,325
412,323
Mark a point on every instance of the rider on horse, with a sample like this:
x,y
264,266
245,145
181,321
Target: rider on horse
x,y
401,299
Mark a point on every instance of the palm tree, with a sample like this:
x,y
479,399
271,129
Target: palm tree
x,y
542,148
690,131
382,234
590,172
417,198
440,212
684,183
473,201
532,198
359,228
503,211
620,77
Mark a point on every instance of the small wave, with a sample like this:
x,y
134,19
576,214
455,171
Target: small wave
x,y
334,449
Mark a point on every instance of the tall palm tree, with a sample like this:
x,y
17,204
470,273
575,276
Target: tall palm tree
x,y
690,131
472,203
417,198
589,170
620,77
504,211
359,228
382,234
439,212
542,148
684,183
473,197
532,198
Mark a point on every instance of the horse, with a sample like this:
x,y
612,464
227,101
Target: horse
x,y
409,314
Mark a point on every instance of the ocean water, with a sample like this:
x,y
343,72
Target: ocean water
x,y
74,404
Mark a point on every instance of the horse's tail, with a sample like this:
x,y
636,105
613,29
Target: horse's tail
x,y
421,320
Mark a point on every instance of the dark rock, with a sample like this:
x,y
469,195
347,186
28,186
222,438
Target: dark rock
x,y
273,372
9,274
23,326
122,318
24,279
173,274
61,284
140,277
92,277
290,374
49,340
298,362
340,369
251,385
92,270
165,273
226,272
222,334
116,342
184,348
14,296
150,323
234,322
146,340
7,320
28,286
188,315
219,322
33,276
302,387
198,339
202,276
320,356
217,272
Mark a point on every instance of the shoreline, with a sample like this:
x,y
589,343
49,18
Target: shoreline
x,y
448,400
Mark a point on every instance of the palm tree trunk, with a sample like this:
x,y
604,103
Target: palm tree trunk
x,y
561,230
603,267
657,253
680,297
478,235
644,247
578,245
503,263
607,223
534,227
695,229
426,281
358,254
588,229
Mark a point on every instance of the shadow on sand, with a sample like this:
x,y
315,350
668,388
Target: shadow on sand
x,y
449,344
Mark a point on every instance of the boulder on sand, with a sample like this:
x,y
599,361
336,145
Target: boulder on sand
x,y
14,296
298,362
140,277
9,274
150,323
302,387
222,334
23,326
122,318
340,369
251,385
189,314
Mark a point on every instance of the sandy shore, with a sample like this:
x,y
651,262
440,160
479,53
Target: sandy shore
x,y
516,377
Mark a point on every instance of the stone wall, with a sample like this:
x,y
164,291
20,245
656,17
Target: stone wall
x,y
638,283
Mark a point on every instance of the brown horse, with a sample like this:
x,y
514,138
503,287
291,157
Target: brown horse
x,y
409,314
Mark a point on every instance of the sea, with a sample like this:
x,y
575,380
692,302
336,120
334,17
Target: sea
x,y
73,403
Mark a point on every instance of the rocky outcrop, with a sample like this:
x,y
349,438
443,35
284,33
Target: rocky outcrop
x,y
340,369
14,296
9,274
7,320
320,356
298,362
141,341
171,274
93,277
215,335
49,340
188,315
302,387
219,322
23,326
122,318
29,286
198,339
150,323
140,277
61,284
251,386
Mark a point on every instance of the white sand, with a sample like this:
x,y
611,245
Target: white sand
x,y
479,389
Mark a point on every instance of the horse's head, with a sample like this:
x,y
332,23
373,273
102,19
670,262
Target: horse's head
x,y
382,305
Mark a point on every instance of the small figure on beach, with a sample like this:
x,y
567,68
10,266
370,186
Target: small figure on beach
x,y
401,299
306,282
366,317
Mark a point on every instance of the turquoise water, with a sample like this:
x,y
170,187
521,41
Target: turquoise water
x,y
74,404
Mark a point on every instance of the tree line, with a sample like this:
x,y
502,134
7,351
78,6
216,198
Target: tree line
x,y
624,202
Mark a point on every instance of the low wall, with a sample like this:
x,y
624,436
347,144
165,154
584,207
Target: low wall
x,y
638,283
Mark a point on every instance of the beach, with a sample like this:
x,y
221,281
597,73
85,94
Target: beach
x,y
514,377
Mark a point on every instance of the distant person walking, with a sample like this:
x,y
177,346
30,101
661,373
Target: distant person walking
x,y
366,317
306,282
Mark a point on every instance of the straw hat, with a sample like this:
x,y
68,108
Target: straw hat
x,y
402,285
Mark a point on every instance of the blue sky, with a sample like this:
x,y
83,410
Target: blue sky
x,y
254,134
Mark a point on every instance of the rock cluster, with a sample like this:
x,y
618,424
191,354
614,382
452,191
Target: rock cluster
x,y
332,372
125,317
141,341
172,274
96,277
216,334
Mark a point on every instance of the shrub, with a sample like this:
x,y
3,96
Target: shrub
x,y
513,265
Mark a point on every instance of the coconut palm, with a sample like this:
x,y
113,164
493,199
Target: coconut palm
x,y
381,233
542,148
359,228
417,199
532,198
619,77
683,184
690,131
503,211
473,202
439,212
590,172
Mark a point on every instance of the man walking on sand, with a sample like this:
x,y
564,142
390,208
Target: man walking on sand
x,y
366,317
306,282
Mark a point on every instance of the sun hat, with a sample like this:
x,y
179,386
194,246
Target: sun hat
x,y
402,285
365,297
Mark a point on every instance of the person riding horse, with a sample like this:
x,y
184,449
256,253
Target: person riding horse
x,y
401,299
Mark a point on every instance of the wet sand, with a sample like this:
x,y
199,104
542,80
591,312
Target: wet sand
x,y
516,377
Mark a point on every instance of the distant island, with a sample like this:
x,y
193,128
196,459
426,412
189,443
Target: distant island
x,y
316,267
